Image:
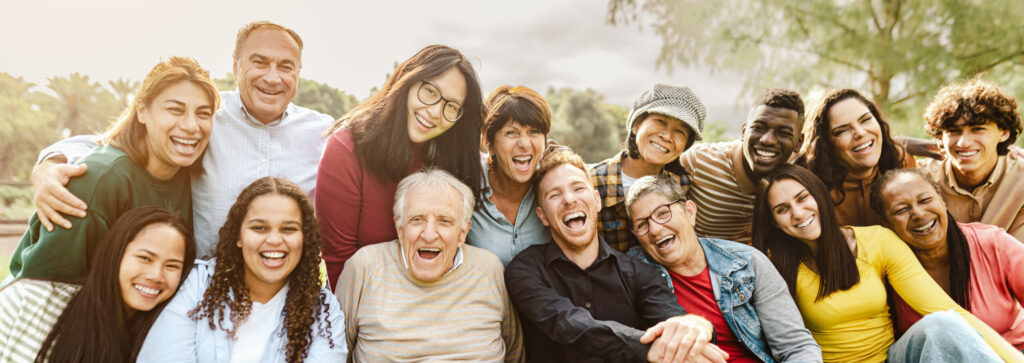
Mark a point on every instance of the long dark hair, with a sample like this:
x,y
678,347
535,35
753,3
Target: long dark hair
x,y
379,128
304,302
956,241
94,327
817,153
836,263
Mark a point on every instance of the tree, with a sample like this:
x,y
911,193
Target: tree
x,y
582,121
899,52
25,127
83,106
124,90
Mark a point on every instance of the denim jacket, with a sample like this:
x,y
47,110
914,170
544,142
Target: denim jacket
x,y
734,268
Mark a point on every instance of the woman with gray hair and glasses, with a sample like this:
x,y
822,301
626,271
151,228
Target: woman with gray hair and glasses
x,y
731,284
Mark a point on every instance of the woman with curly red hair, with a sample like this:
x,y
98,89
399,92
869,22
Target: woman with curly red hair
x,y
264,280
975,124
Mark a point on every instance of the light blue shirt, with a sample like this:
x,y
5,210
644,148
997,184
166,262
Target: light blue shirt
x,y
241,150
493,232
175,337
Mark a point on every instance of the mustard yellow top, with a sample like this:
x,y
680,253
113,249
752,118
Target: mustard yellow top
x,y
854,325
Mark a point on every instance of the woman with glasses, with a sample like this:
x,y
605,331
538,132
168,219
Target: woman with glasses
x,y
838,277
428,113
731,284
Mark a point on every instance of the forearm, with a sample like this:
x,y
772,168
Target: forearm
x,y
781,323
70,149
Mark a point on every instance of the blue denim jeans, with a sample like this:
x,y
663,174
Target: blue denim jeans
x,y
941,337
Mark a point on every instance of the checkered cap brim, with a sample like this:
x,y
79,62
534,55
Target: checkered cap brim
x,y
674,101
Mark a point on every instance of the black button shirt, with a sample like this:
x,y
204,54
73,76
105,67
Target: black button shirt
x,y
592,315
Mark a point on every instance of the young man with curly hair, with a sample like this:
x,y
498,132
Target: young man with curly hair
x,y
975,124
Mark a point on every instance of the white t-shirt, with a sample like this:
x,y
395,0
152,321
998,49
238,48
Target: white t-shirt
x,y
257,329
627,181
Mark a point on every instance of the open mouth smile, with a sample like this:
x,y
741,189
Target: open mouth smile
x,y
424,123
145,291
428,253
925,229
575,220
665,242
273,259
865,147
806,223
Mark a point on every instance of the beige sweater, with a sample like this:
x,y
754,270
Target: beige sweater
x,y
465,315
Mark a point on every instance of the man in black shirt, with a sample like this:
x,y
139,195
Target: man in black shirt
x,y
581,300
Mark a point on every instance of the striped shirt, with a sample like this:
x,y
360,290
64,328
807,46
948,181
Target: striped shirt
x,y
721,189
465,315
28,310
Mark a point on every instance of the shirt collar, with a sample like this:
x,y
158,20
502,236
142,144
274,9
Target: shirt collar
x,y
993,177
553,253
252,120
746,185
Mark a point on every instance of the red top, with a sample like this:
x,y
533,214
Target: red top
x,y
694,293
997,283
352,204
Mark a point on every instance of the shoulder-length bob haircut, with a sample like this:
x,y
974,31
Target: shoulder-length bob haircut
x,y
817,152
518,104
128,134
94,327
381,135
305,302
836,263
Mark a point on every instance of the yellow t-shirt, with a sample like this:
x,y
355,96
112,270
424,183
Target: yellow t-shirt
x,y
854,325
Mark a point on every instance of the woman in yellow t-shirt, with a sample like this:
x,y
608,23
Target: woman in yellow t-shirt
x,y
837,277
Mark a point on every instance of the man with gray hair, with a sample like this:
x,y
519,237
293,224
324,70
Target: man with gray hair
x,y
395,294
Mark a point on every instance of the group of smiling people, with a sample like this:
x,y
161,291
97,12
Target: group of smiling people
x,y
193,229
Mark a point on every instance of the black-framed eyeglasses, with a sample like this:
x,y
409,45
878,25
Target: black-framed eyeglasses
x,y
661,215
429,94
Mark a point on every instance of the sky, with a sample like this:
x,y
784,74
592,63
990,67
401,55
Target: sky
x,y
353,45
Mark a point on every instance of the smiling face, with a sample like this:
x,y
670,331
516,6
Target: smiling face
x,y
670,243
569,206
426,122
972,148
769,139
267,72
794,210
856,136
660,138
151,267
178,122
517,149
271,242
915,211
431,231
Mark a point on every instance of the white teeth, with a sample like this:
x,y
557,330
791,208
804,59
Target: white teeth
x,y
146,290
522,159
659,147
966,154
925,227
864,145
664,240
268,92
766,154
425,249
423,122
806,223
573,215
272,254
184,141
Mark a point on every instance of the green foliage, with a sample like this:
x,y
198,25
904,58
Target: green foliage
x,y
582,121
26,126
899,52
83,106
716,132
15,202
324,98
227,83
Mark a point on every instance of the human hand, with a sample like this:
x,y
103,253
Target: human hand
x,y
1014,152
51,197
682,339
923,148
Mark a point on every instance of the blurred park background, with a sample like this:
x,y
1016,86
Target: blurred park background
x,y
897,52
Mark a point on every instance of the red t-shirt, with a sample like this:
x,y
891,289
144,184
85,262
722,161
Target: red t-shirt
x,y
695,295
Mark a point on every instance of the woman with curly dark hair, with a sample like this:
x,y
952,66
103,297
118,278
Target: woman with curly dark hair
x,y
134,271
261,293
975,125
847,144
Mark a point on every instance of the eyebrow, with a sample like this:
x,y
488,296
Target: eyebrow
x,y
151,253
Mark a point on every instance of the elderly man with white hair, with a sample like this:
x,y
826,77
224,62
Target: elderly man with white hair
x,y
427,295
